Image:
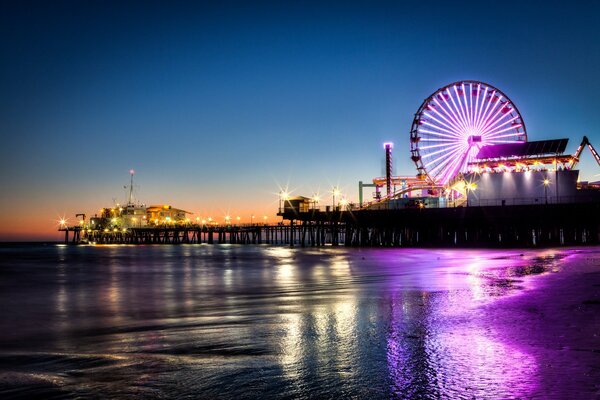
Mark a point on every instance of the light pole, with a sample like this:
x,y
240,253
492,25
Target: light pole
x,y
335,192
315,200
546,183
283,195
344,203
470,187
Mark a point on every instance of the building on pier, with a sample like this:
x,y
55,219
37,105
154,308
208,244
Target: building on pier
x,y
166,214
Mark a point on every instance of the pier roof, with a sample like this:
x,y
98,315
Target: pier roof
x,y
524,149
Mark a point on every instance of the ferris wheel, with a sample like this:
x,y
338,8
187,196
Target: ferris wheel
x,y
455,122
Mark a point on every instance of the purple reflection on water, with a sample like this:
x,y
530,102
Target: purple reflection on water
x,y
274,322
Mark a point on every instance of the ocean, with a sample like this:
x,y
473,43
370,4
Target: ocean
x,y
265,322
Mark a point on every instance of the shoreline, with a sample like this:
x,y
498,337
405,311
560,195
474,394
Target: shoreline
x,y
556,317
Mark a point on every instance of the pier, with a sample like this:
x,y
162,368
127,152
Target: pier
x,y
318,233
475,226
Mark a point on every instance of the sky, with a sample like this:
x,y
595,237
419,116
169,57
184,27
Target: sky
x,y
219,105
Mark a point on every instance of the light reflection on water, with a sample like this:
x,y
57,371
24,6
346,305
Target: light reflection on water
x,y
228,321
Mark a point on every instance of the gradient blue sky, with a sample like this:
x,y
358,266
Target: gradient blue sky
x,y
217,104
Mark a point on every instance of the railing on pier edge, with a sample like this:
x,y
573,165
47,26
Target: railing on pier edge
x,y
481,225
517,222
274,234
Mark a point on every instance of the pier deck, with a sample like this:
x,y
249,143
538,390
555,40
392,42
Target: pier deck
x,y
486,226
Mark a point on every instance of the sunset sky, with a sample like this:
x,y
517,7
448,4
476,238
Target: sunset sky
x,y
217,106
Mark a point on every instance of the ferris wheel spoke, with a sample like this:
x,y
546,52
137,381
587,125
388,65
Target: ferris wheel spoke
x,y
454,110
448,152
505,136
448,124
492,112
494,119
436,139
467,107
459,108
493,130
441,166
434,146
450,114
488,100
453,168
497,125
436,133
450,132
471,101
505,141
480,108
445,156
445,149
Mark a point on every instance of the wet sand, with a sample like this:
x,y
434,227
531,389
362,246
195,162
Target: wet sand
x,y
557,317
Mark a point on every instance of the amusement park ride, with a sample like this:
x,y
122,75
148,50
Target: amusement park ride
x,y
463,129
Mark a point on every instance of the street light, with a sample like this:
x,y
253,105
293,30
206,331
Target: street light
x,y
546,183
470,187
335,192
283,196
344,202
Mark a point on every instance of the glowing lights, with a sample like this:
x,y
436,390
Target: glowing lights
x,y
546,182
455,122
388,145
284,195
344,202
227,218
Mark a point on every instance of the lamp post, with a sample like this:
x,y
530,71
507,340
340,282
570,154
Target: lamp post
x,y
546,183
344,203
335,192
470,187
283,196
315,200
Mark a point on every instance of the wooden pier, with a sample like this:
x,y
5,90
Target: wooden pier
x,y
486,226
307,234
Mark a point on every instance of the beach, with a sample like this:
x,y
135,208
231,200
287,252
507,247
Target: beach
x,y
224,321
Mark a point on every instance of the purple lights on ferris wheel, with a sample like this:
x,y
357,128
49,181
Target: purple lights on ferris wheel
x,y
455,122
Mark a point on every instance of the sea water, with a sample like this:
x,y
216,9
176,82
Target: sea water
x,y
234,321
